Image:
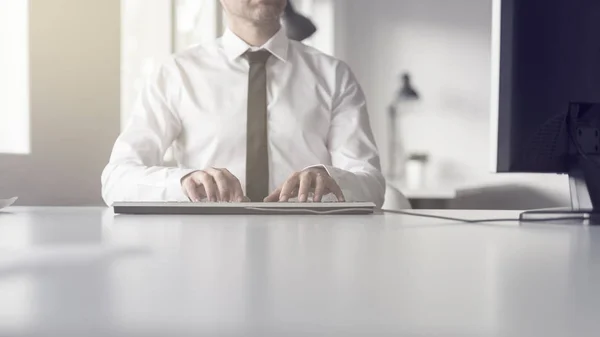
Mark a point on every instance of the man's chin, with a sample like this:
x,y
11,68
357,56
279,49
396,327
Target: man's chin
x,y
270,13
274,3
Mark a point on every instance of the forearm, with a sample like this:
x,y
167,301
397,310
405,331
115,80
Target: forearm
x,y
132,182
136,171
360,186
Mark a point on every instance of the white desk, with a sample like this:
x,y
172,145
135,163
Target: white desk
x,y
85,272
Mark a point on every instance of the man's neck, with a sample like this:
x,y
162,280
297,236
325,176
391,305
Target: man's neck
x,y
253,34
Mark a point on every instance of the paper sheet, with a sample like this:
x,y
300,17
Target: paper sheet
x,y
4,203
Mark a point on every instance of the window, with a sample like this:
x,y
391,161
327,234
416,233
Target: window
x,y
153,30
14,77
321,12
145,43
197,22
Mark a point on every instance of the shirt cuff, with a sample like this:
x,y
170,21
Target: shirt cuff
x,y
174,189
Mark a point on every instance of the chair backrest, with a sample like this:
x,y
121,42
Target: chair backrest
x,y
510,197
395,200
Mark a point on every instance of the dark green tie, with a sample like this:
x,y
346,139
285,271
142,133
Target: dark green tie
x,y
257,146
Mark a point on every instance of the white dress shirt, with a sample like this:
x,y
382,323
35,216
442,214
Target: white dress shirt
x,y
197,103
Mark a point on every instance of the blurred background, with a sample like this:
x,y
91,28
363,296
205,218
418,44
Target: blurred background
x,y
70,71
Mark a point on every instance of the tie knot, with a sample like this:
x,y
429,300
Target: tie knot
x,y
260,56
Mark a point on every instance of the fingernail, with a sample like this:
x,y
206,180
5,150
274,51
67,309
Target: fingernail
x,y
302,197
284,198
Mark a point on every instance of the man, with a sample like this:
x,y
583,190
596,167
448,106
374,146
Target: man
x,y
251,116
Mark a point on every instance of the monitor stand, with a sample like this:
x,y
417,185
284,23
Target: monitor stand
x,y
584,187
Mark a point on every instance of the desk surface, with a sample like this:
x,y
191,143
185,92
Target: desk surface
x,y
84,271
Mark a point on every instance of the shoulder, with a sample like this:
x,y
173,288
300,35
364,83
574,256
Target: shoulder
x,y
335,72
314,55
194,56
321,62
196,53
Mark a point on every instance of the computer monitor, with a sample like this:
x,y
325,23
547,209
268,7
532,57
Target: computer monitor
x,y
546,91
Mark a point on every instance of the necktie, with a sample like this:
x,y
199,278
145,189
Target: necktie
x,y
257,152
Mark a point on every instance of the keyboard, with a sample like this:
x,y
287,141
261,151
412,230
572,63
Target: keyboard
x,y
258,208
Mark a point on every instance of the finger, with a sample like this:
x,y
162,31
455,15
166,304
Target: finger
x,y
191,190
274,196
208,183
306,181
237,194
320,186
222,182
337,191
287,191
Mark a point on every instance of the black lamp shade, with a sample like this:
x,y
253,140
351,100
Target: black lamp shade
x,y
297,26
408,92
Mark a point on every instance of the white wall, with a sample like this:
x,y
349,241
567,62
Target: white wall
x,y
322,13
14,79
446,46
74,98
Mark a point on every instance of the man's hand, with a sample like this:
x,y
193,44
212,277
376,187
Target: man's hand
x,y
300,184
213,184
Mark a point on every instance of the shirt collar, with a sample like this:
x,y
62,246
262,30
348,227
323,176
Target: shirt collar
x,y
235,47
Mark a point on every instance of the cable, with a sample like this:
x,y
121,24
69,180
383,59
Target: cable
x,y
419,215
476,221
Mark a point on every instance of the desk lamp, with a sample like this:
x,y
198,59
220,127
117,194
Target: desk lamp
x,y
405,97
298,27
